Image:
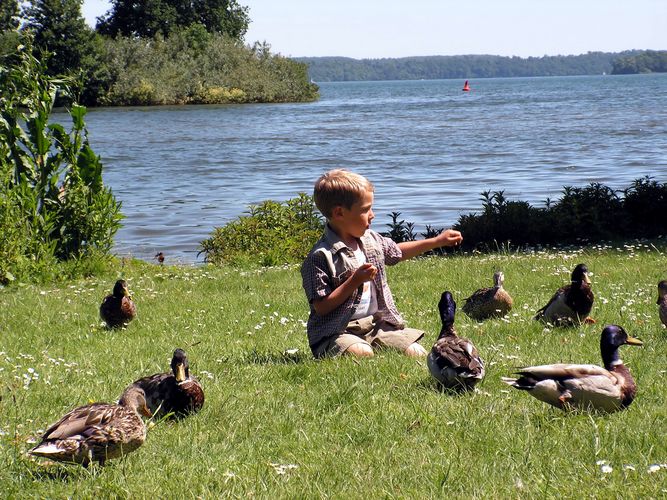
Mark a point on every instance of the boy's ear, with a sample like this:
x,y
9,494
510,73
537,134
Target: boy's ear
x,y
337,211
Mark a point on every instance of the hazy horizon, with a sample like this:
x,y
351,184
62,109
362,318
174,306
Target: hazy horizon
x,y
387,29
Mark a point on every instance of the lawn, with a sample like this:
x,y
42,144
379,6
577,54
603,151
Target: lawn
x,y
279,424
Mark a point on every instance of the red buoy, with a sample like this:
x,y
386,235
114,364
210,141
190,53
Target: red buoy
x,y
466,87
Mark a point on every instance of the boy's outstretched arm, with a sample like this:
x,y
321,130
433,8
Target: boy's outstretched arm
x,y
366,272
448,238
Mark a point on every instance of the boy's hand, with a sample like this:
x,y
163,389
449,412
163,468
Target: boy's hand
x,y
365,272
449,238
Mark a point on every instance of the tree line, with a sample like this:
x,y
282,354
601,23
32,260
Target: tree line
x,y
156,52
325,69
650,61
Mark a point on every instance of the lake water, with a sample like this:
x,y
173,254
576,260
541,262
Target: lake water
x,y
428,147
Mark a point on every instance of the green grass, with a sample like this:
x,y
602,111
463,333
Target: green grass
x,y
289,426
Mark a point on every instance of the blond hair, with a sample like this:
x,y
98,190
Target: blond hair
x,y
339,188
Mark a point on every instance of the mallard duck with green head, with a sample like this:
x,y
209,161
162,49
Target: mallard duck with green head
x,y
587,387
490,302
118,309
97,432
662,301
174,394
453,361
571,304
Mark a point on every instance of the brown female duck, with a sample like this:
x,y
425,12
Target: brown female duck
x,y
489,302
96,432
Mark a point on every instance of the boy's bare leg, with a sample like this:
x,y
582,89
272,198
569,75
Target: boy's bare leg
x,y
415,350
360,350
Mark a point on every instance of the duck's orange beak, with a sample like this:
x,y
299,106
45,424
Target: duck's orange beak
x,y
180,372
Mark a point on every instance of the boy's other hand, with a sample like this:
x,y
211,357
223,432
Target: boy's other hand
x,y
365,272
449,238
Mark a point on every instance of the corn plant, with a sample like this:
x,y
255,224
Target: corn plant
x,y
54,201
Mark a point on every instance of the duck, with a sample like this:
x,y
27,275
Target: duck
x,y
588,387
489,302
453,361
662,301
96,432
173,394
118,309
571,304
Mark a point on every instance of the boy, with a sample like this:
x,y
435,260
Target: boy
x,y
344,277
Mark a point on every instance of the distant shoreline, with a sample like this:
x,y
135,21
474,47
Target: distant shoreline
x,y
330,69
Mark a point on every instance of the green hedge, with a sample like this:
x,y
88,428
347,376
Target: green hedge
x,y
582,215
276,233
272,233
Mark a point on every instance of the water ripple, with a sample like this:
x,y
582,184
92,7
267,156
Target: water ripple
x,y
428,148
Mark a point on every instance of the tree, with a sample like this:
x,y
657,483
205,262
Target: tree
x,y
222,16
60,29
649,61
144,19
149,18
9,15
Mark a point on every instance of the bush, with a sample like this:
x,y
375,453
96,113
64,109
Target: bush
x,y
272,233
593,213
54,206
645,203
590,214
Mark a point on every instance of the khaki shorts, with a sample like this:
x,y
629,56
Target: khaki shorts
x,y
367,331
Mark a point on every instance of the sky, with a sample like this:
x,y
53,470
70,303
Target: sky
x,y
399,28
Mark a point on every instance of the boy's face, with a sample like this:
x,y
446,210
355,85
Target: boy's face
x,y
357,219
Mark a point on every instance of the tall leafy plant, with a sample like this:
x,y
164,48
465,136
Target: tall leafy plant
x,y
51,183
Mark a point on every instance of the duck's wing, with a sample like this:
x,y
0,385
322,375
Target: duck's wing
x,y
478,300
156,388
580,300
459,354
564,371
556,303
79,421
663,312
488,302
480,295
580,386
597,387
109,310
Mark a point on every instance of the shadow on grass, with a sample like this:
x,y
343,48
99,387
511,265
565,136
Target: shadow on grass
x,y
289,357
52,471
430,384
